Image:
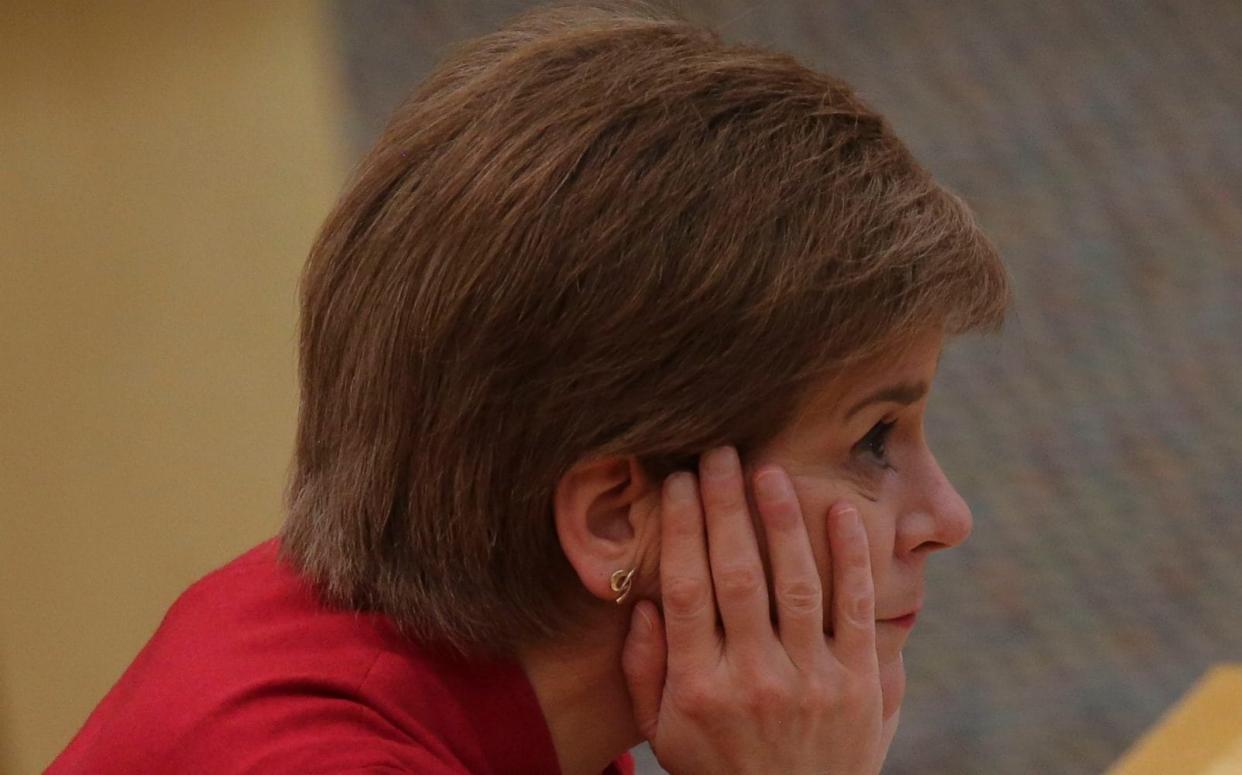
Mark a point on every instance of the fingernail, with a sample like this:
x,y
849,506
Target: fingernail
x,y
719,462
680,486
771,485
862,609
849,519
642,620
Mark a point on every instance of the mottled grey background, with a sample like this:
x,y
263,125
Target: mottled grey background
x,y
1100,438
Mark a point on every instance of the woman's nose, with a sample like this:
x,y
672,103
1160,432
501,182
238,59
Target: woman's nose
x,y
936,518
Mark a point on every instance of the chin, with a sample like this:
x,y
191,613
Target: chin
x,y
889,641
892,684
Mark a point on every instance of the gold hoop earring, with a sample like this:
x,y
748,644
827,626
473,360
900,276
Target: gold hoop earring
x,y
621,582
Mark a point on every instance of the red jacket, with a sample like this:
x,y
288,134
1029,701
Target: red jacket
x,y
250,672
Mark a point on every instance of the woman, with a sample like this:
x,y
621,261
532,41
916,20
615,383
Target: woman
x,y
614,360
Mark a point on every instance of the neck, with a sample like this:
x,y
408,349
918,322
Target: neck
x,y
582,693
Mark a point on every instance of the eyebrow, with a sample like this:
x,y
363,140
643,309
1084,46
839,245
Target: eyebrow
x,y
901,393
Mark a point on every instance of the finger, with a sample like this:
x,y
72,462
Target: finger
x,y
795,579
643,662
685,578
853,599
737,571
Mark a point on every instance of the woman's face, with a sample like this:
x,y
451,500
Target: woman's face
x,y
861,439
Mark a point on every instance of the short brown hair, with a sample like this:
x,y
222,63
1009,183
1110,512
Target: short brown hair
x,y
595,232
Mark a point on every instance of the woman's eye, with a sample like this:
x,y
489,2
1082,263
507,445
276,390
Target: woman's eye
x,y
873,444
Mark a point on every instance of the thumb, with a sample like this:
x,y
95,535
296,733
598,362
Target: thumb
x,y
643,660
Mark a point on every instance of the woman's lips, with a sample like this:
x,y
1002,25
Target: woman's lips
x,y
905,622
902,622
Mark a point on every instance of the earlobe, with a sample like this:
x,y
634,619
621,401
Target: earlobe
x,y
599,521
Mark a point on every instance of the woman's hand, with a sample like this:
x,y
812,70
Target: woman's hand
x,y
716,686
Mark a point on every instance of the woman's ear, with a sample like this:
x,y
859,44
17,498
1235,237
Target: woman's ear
x,y
603,510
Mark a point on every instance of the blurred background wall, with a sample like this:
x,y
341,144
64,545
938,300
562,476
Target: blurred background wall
x,y
168,165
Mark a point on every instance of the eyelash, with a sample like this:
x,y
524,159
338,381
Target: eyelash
x,y
873,444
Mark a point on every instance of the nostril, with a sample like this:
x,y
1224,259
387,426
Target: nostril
x,y
917,533
927,547
925,531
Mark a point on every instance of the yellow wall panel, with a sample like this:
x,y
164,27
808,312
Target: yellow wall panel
x,y
1201,735
163,169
